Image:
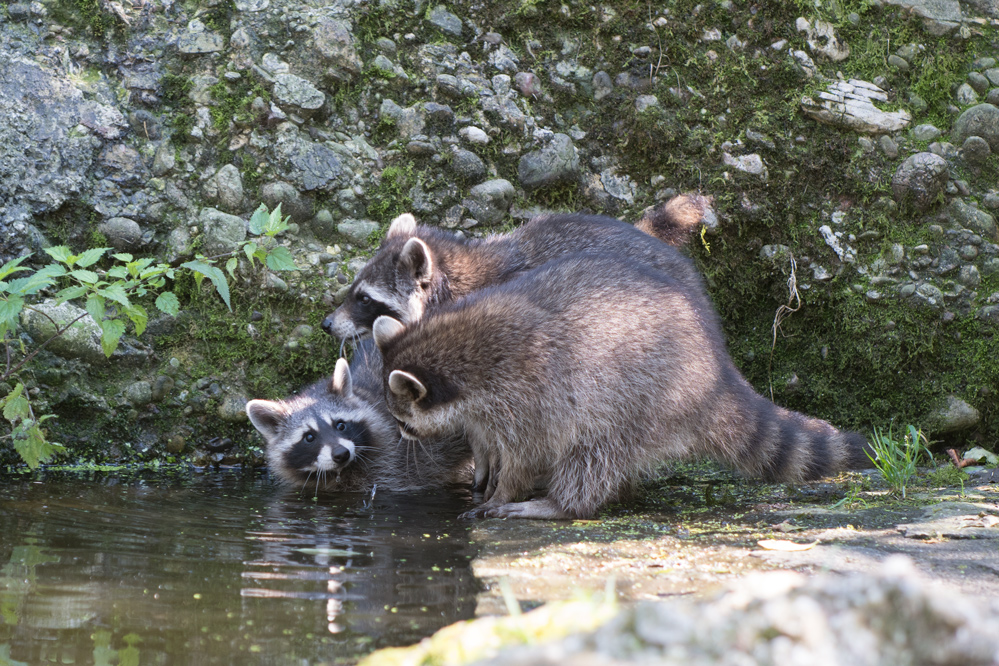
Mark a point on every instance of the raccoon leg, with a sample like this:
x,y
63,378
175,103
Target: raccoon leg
x,y
538,509
487,467
509,482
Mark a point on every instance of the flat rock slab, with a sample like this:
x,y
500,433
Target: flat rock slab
x,y
850,105
690,540
955,520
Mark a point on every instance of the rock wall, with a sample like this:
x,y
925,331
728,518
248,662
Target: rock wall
x,y
849,152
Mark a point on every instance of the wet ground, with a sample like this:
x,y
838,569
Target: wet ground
x,y
223,567
699,529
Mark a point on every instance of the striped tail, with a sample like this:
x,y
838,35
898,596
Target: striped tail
x,y
674,222
783,445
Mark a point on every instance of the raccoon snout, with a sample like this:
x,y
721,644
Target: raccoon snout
x,y
341,456
327,324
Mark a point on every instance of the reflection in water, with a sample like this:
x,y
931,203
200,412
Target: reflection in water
x,y
218,568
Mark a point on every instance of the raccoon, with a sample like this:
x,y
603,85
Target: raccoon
x,y
585,374
418,267
339,434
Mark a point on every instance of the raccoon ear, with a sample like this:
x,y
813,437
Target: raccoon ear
x,y
404,225
385,330
404,384
417,258
267,416
341,379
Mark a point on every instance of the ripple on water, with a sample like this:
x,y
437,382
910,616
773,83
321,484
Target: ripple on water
x,y
202,568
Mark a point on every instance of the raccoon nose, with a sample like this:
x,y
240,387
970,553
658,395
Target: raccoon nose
x,y
328,324
341,456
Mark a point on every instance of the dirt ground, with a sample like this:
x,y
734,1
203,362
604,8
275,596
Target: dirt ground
x,y
697,529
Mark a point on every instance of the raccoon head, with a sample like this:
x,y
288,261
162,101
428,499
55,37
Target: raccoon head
x,y
314,434
421,401
397,282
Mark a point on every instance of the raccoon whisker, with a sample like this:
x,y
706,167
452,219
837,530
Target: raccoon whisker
x,y
306,482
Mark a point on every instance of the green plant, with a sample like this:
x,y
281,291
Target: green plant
x,y
896,458
113,298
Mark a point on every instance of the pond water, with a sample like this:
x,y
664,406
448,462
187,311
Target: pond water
x,y
213,568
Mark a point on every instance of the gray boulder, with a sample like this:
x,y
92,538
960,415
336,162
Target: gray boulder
x,y
980,120
920,180
297,92
82,340
122,233
557,162
308,164
335,49
972,218
45,160
952,415
222,232
488,202
288,197
357,231
226,188
448,23
467,166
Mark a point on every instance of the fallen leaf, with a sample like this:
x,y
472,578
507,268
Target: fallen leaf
x,y
786,546
786,527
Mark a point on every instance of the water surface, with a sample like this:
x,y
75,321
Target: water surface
x,y
212,568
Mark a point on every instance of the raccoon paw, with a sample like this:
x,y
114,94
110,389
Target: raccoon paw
x,y
476,513
540,509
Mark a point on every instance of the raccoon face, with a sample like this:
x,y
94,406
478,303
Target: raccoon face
x,y
315,434
395,283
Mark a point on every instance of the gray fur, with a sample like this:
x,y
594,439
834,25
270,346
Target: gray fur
x,y
355,396
420,267
586,373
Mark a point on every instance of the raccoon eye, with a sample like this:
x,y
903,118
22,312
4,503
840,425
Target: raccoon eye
x,y
310,437
341,426
365,300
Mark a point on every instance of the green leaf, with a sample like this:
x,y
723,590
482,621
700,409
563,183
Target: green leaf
x,y
95,306
116,293
249,249
167,303
15,405
62,254
118,272
91,256
27,286
69,293
87,277
10,310
258,221
31,445
124,256
111,332
230,267
275,223
139,317
279,259
215,275
13,266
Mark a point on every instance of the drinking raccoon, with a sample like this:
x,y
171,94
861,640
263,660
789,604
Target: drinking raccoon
x,y
339,434
420,266
584,374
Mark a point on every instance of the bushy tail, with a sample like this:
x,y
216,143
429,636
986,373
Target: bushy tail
x,y
782,445
674,221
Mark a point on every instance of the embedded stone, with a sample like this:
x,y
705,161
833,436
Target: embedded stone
x,y
555,163
980,120
920,180
296,91
850,105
